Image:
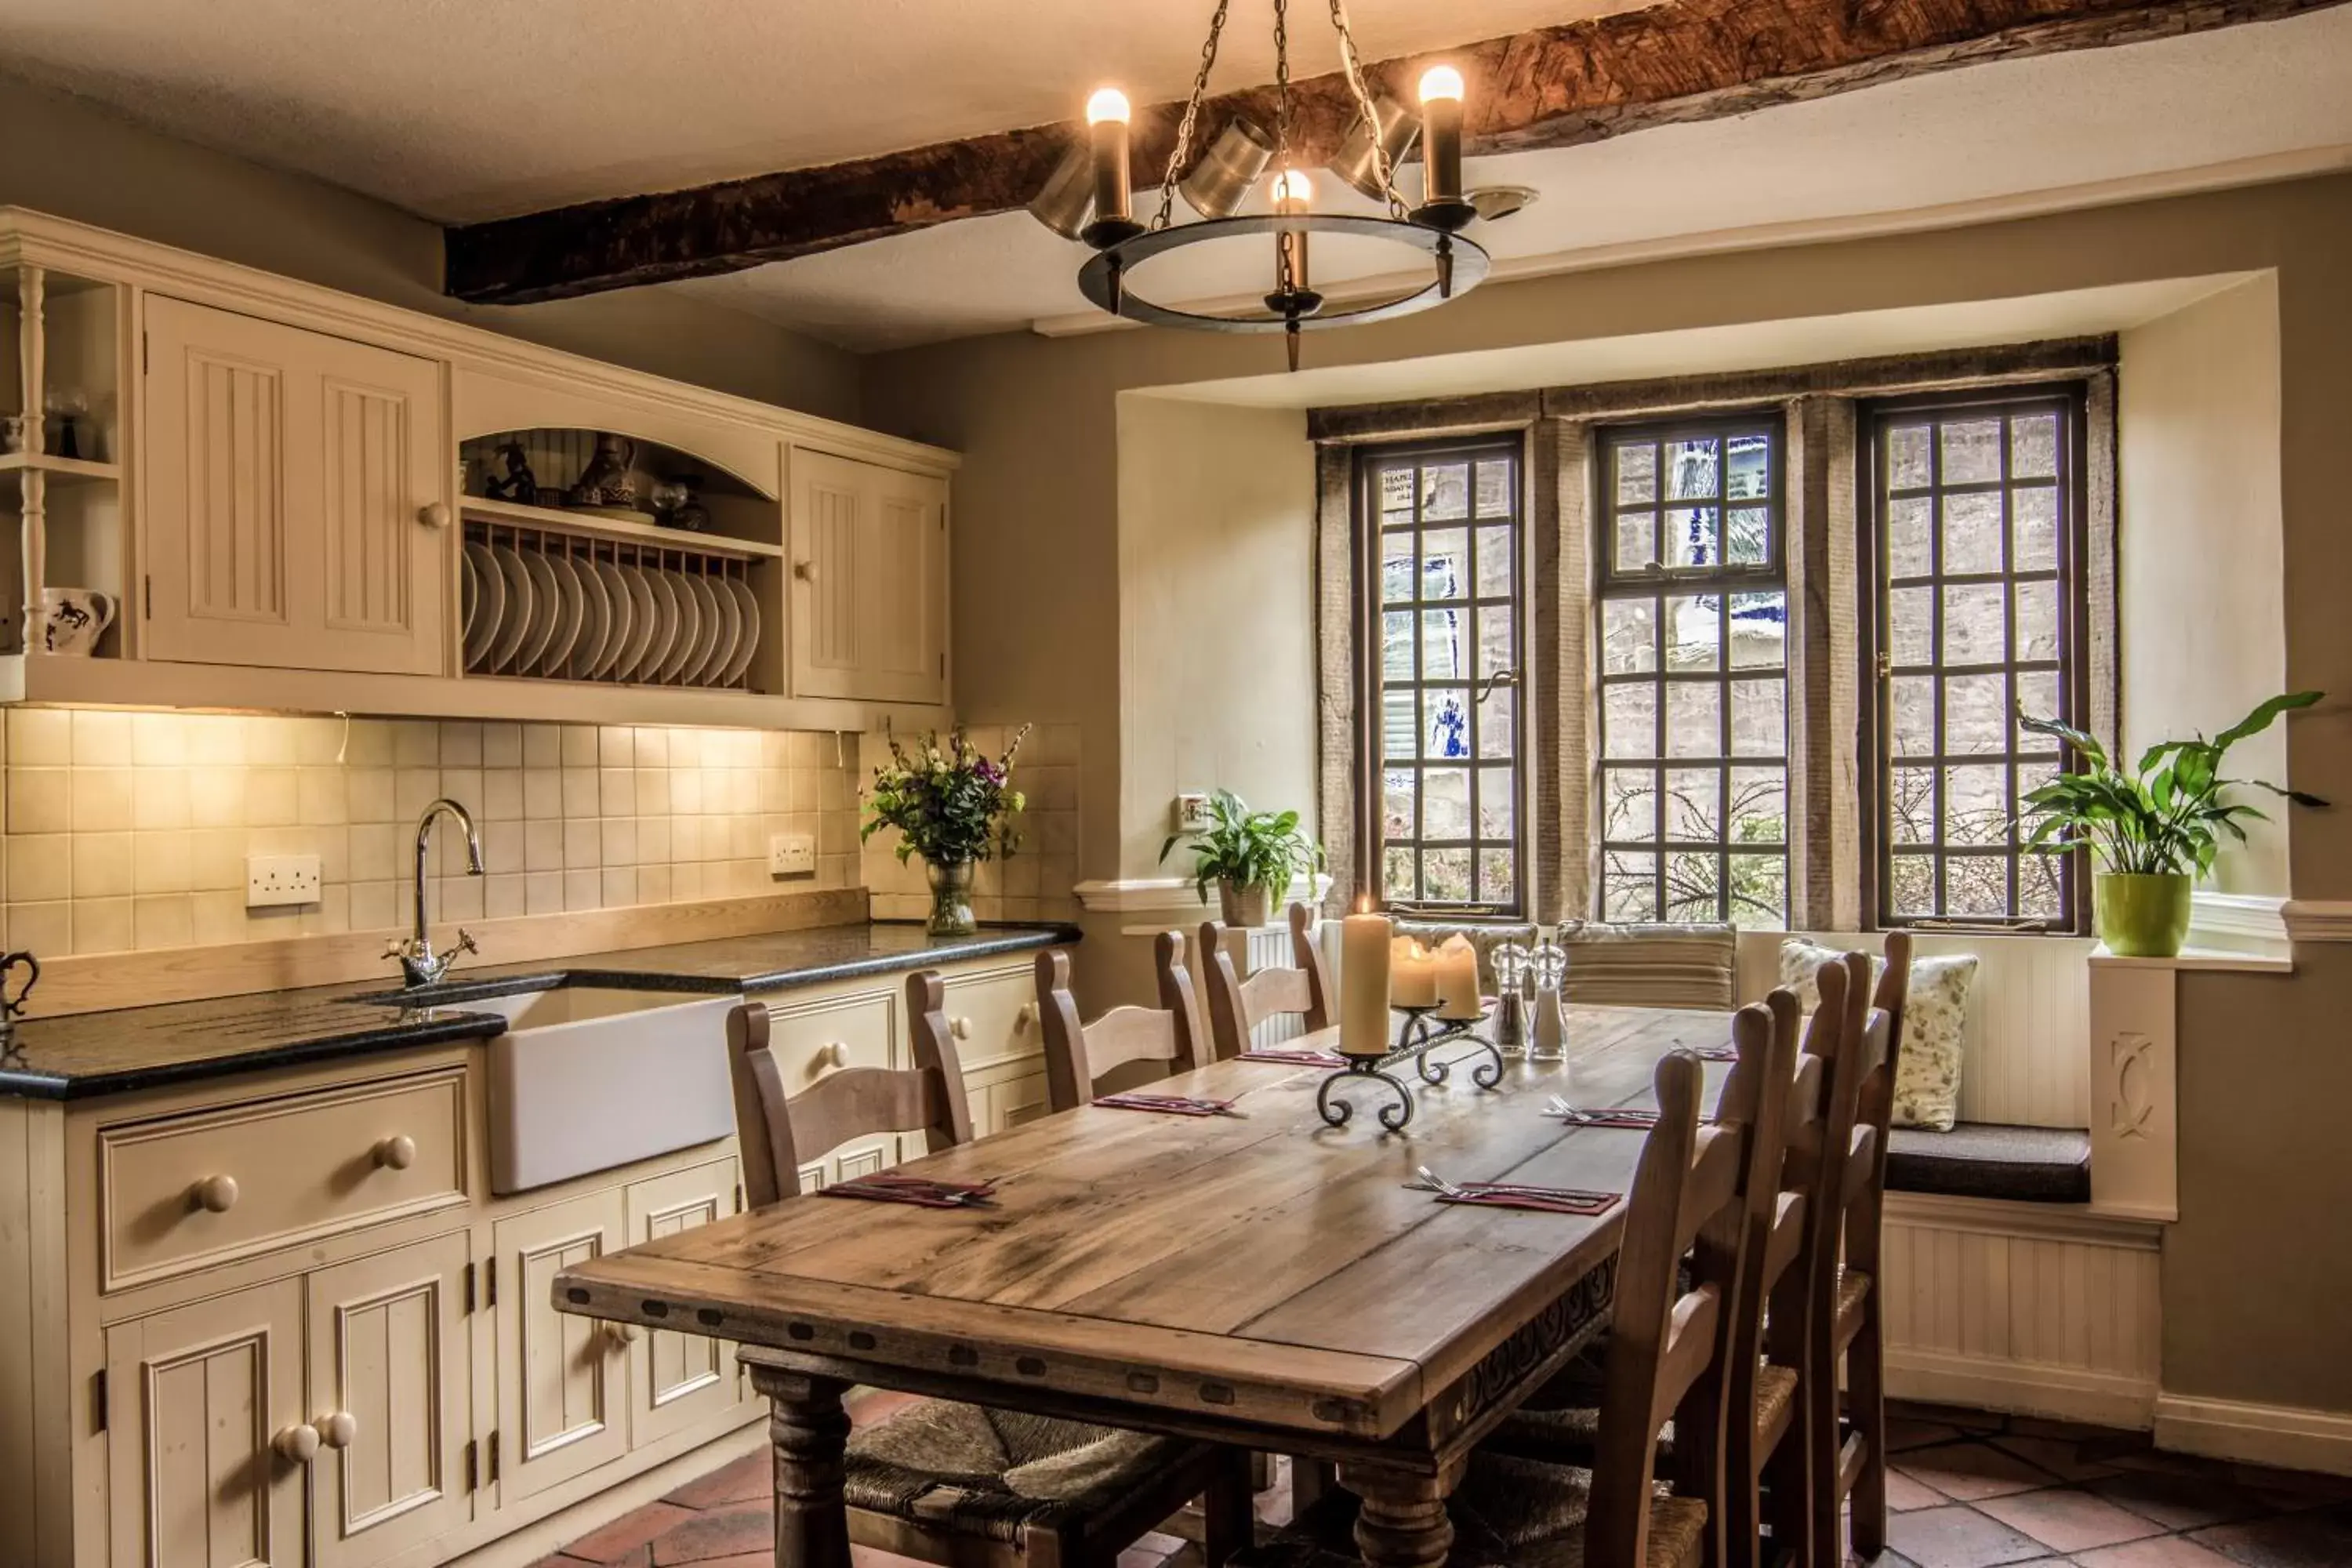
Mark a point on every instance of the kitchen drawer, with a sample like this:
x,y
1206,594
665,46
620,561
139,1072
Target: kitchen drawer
x,y
993,1015
815,1037
180,1193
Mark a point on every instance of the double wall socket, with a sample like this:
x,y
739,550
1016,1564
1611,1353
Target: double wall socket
x,y
792,855
271,881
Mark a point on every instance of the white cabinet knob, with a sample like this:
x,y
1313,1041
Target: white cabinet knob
x,y
836,1054
433,514
1023,1019
297,1443
960,1027
804,570
625,1333
338,1429
214,1194
396,1153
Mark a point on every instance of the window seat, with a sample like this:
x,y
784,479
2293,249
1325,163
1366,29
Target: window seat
x,y
1990,1159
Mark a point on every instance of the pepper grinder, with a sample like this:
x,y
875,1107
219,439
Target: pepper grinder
x,y
1549,965
1511,1000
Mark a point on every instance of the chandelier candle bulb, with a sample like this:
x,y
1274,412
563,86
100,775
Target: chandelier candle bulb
x,y
1457,980
1442,203
1364,938
1107,117
1412,974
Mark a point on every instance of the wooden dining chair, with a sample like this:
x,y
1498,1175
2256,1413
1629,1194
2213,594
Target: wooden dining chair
x,y
938,1481
1237,1007
1859,1339
1762,1092
1079,1057
1666,1361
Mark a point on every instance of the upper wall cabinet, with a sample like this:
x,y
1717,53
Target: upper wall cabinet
x,y
869,581
296,513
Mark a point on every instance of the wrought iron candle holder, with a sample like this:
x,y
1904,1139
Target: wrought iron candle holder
x,y
1421,1033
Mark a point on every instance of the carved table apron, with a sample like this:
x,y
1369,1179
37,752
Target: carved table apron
x,y
1263,1280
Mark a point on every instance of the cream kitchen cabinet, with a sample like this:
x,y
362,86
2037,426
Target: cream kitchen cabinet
x,y
678,1381
869,581
296,507
561,1396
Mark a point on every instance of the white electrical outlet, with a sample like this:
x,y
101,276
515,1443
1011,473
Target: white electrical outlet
x,y
1190,814
792,855
271,881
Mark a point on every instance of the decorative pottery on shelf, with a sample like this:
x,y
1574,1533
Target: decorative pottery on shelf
x,y
950,899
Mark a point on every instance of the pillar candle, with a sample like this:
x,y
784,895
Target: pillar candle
x,y
1364,983
1412,974
1457,979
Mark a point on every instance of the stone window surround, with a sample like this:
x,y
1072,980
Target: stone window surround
x,y
1826,873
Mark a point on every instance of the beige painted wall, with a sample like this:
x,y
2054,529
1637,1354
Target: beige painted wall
x,y
71,158
1216,553
1038,600
2200,553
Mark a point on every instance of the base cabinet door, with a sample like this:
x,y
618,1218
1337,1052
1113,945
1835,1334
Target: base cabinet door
x,y
198,1400
676,1380
391,1377
561,1399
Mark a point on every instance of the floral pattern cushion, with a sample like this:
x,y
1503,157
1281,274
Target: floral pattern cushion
x,y
1935,1015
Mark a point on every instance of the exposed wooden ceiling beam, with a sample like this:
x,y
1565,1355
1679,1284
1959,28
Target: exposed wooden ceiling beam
x,y
1554,87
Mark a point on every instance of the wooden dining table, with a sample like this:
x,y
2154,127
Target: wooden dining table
x,y
1258,1278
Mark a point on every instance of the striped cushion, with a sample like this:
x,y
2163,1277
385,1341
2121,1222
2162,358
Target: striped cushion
x,y
1652,966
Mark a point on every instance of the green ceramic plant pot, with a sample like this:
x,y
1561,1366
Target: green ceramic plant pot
x,y
2143,916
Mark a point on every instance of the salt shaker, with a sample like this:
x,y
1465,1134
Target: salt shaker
x,y
1549,964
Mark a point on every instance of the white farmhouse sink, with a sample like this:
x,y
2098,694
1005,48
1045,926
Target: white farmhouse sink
x,y
587,1079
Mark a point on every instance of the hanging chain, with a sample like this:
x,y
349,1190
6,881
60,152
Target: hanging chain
x,y
1185,127
1354,66
1281,87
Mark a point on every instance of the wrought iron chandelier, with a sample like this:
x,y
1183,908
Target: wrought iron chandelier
x,y
1090,198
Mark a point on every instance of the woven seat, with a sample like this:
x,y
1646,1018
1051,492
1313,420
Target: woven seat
x,y
1513,1512
1566,1436
995,1472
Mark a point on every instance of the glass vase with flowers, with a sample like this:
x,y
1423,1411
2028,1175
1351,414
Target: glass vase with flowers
x,y
953,804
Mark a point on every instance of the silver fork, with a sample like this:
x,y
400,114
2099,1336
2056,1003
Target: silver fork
x,y
1434,1180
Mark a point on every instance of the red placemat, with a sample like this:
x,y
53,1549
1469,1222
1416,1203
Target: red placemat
x,y
1167,1104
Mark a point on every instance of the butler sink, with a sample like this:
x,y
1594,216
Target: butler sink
x,y
586,1078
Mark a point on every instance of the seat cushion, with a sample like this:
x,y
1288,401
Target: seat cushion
x,y
1652,966
1987,1160
988,1472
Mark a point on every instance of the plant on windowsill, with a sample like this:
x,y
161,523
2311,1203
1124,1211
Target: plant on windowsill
x,y
1253,857
951,804
2155,829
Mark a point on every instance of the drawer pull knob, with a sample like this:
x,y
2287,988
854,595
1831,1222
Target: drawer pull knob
x,y
337,1430
214,1194
836,1054
396,1153
626,1333
961,1028
433,514
1023,1019
297,1443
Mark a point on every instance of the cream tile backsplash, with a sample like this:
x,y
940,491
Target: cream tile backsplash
x,y
1035,883
130,830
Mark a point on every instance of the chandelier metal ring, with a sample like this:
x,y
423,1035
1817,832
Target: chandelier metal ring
x,y
1104,279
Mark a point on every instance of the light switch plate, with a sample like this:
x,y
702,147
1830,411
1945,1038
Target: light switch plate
x,y
1190,814
271,881
792,855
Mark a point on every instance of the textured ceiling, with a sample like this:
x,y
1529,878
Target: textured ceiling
x,y
462,110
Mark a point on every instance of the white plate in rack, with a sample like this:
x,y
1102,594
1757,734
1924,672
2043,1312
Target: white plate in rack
x,y
626,623
668,623
571,609
747,643
690,625
489,604
595,619
469,598
730,631
514,623
710,647
544,612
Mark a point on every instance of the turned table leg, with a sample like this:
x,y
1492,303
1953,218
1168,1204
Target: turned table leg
x,y
1402,1523
810,1430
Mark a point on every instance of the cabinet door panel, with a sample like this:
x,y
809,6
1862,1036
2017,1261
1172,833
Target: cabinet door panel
x,y
287,473
194,1398
869,581
678,1380
559,1376
388,1347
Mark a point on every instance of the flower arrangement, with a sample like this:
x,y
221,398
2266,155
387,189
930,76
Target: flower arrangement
x,y
951,803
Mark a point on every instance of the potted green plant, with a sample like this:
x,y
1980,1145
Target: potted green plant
x,y
953,805
1252,855
2155,829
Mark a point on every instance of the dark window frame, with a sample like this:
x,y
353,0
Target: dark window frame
x,y
1371,677
1662,584
2071,399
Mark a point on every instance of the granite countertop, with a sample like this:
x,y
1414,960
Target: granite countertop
x,y
90,1054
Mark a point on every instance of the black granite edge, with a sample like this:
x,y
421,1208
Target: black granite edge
x,y
407,1033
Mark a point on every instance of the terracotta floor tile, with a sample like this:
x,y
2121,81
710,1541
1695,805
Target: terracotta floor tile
x,y
2182,1502
1902,1434
2160,1551
758,1560
1945,1414
721,1533
1957,1537
2064,1519
2319,1538
1971,1470
2061,1456
747,1479
2070,1431
1904,1494
616,1540
862,1557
